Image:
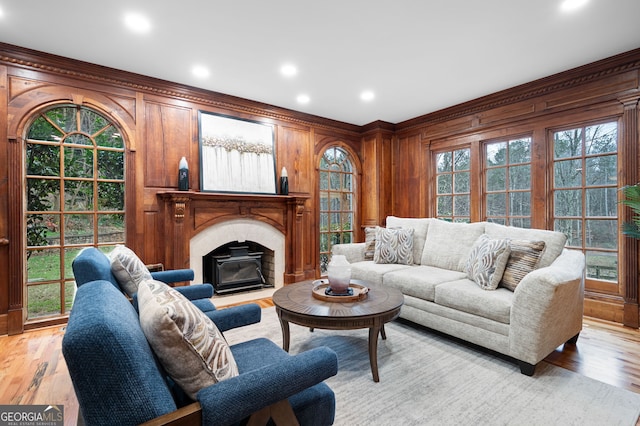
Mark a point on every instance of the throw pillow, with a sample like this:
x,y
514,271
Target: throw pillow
x,y
128,269
487,261
524,258
369,242
394,245
190,347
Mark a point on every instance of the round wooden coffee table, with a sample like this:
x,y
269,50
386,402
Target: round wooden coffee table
x,y
295,303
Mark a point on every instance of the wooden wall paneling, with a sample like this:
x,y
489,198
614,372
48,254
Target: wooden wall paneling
x,y
4,206
295,152
407,174
376,178
167,139
629,142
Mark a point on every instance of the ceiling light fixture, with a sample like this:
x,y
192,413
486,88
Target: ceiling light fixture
x,y
303,98
137,23
571,5
367,95
200,71
288,70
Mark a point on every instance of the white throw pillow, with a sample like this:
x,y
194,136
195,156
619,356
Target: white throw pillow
x,y
128,269
487,261
188,344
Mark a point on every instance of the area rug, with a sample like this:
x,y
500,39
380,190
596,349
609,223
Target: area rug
x,y
431,379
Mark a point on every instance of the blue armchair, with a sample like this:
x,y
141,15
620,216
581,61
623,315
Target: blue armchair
x,y
118,380
91,264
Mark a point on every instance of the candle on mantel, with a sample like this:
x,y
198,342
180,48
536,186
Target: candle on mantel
x,y
284,182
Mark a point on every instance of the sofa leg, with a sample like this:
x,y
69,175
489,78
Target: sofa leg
x,y
574,339
526,368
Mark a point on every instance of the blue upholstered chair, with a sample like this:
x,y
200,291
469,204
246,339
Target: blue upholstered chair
x,y
91,264
118,380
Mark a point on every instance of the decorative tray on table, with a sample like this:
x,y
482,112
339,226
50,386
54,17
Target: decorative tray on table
x,y
322,291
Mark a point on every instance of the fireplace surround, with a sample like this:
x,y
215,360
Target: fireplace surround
x,y
195,223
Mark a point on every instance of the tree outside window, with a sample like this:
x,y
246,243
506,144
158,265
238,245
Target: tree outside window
x,y
507,187
453,177
74,167
337,201
585,171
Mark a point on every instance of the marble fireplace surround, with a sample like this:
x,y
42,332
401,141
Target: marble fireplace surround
x,y
195,223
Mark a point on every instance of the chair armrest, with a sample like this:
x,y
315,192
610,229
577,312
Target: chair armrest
x,y
197,291
234,399
236,316
174,275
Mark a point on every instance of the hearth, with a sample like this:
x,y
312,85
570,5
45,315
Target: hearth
x,y
234,268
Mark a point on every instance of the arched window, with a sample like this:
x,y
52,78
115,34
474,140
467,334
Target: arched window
x,y
74,165
337,201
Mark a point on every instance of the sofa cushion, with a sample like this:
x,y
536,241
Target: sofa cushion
x,y
190,347
420,281
465,295
394,246
523,259
448,244
369,242
128,269
554,241
373,272
420,227
487,260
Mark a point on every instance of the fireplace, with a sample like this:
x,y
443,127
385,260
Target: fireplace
x,y
236,267
196,223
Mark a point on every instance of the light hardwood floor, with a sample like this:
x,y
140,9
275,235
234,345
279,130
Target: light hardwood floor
x,y
33,371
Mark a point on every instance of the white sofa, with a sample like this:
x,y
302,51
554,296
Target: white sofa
x,y
527,324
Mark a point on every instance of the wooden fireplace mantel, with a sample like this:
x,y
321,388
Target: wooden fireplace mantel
x,y
185,213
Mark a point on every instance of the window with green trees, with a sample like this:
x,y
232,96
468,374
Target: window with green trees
x,y
74,165
453,177
337,189
507,188
585,179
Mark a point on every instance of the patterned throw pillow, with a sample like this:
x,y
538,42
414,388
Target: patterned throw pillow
x,y
128,269
524,258
487,261
188,344
394,245
369,242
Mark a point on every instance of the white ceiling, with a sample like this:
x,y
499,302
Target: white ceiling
x,y
417,56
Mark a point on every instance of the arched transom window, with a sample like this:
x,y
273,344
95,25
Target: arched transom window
x,y
337,201
74,164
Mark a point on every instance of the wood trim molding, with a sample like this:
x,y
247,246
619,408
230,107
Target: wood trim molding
x,y
53,64
564,80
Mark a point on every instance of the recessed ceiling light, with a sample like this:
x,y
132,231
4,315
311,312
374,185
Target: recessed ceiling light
x,y
200,71
571,5
367,95
288,70
303,98
137,23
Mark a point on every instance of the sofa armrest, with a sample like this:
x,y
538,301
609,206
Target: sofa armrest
x,y
173,276
232,400
354,252
547,308
236,316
